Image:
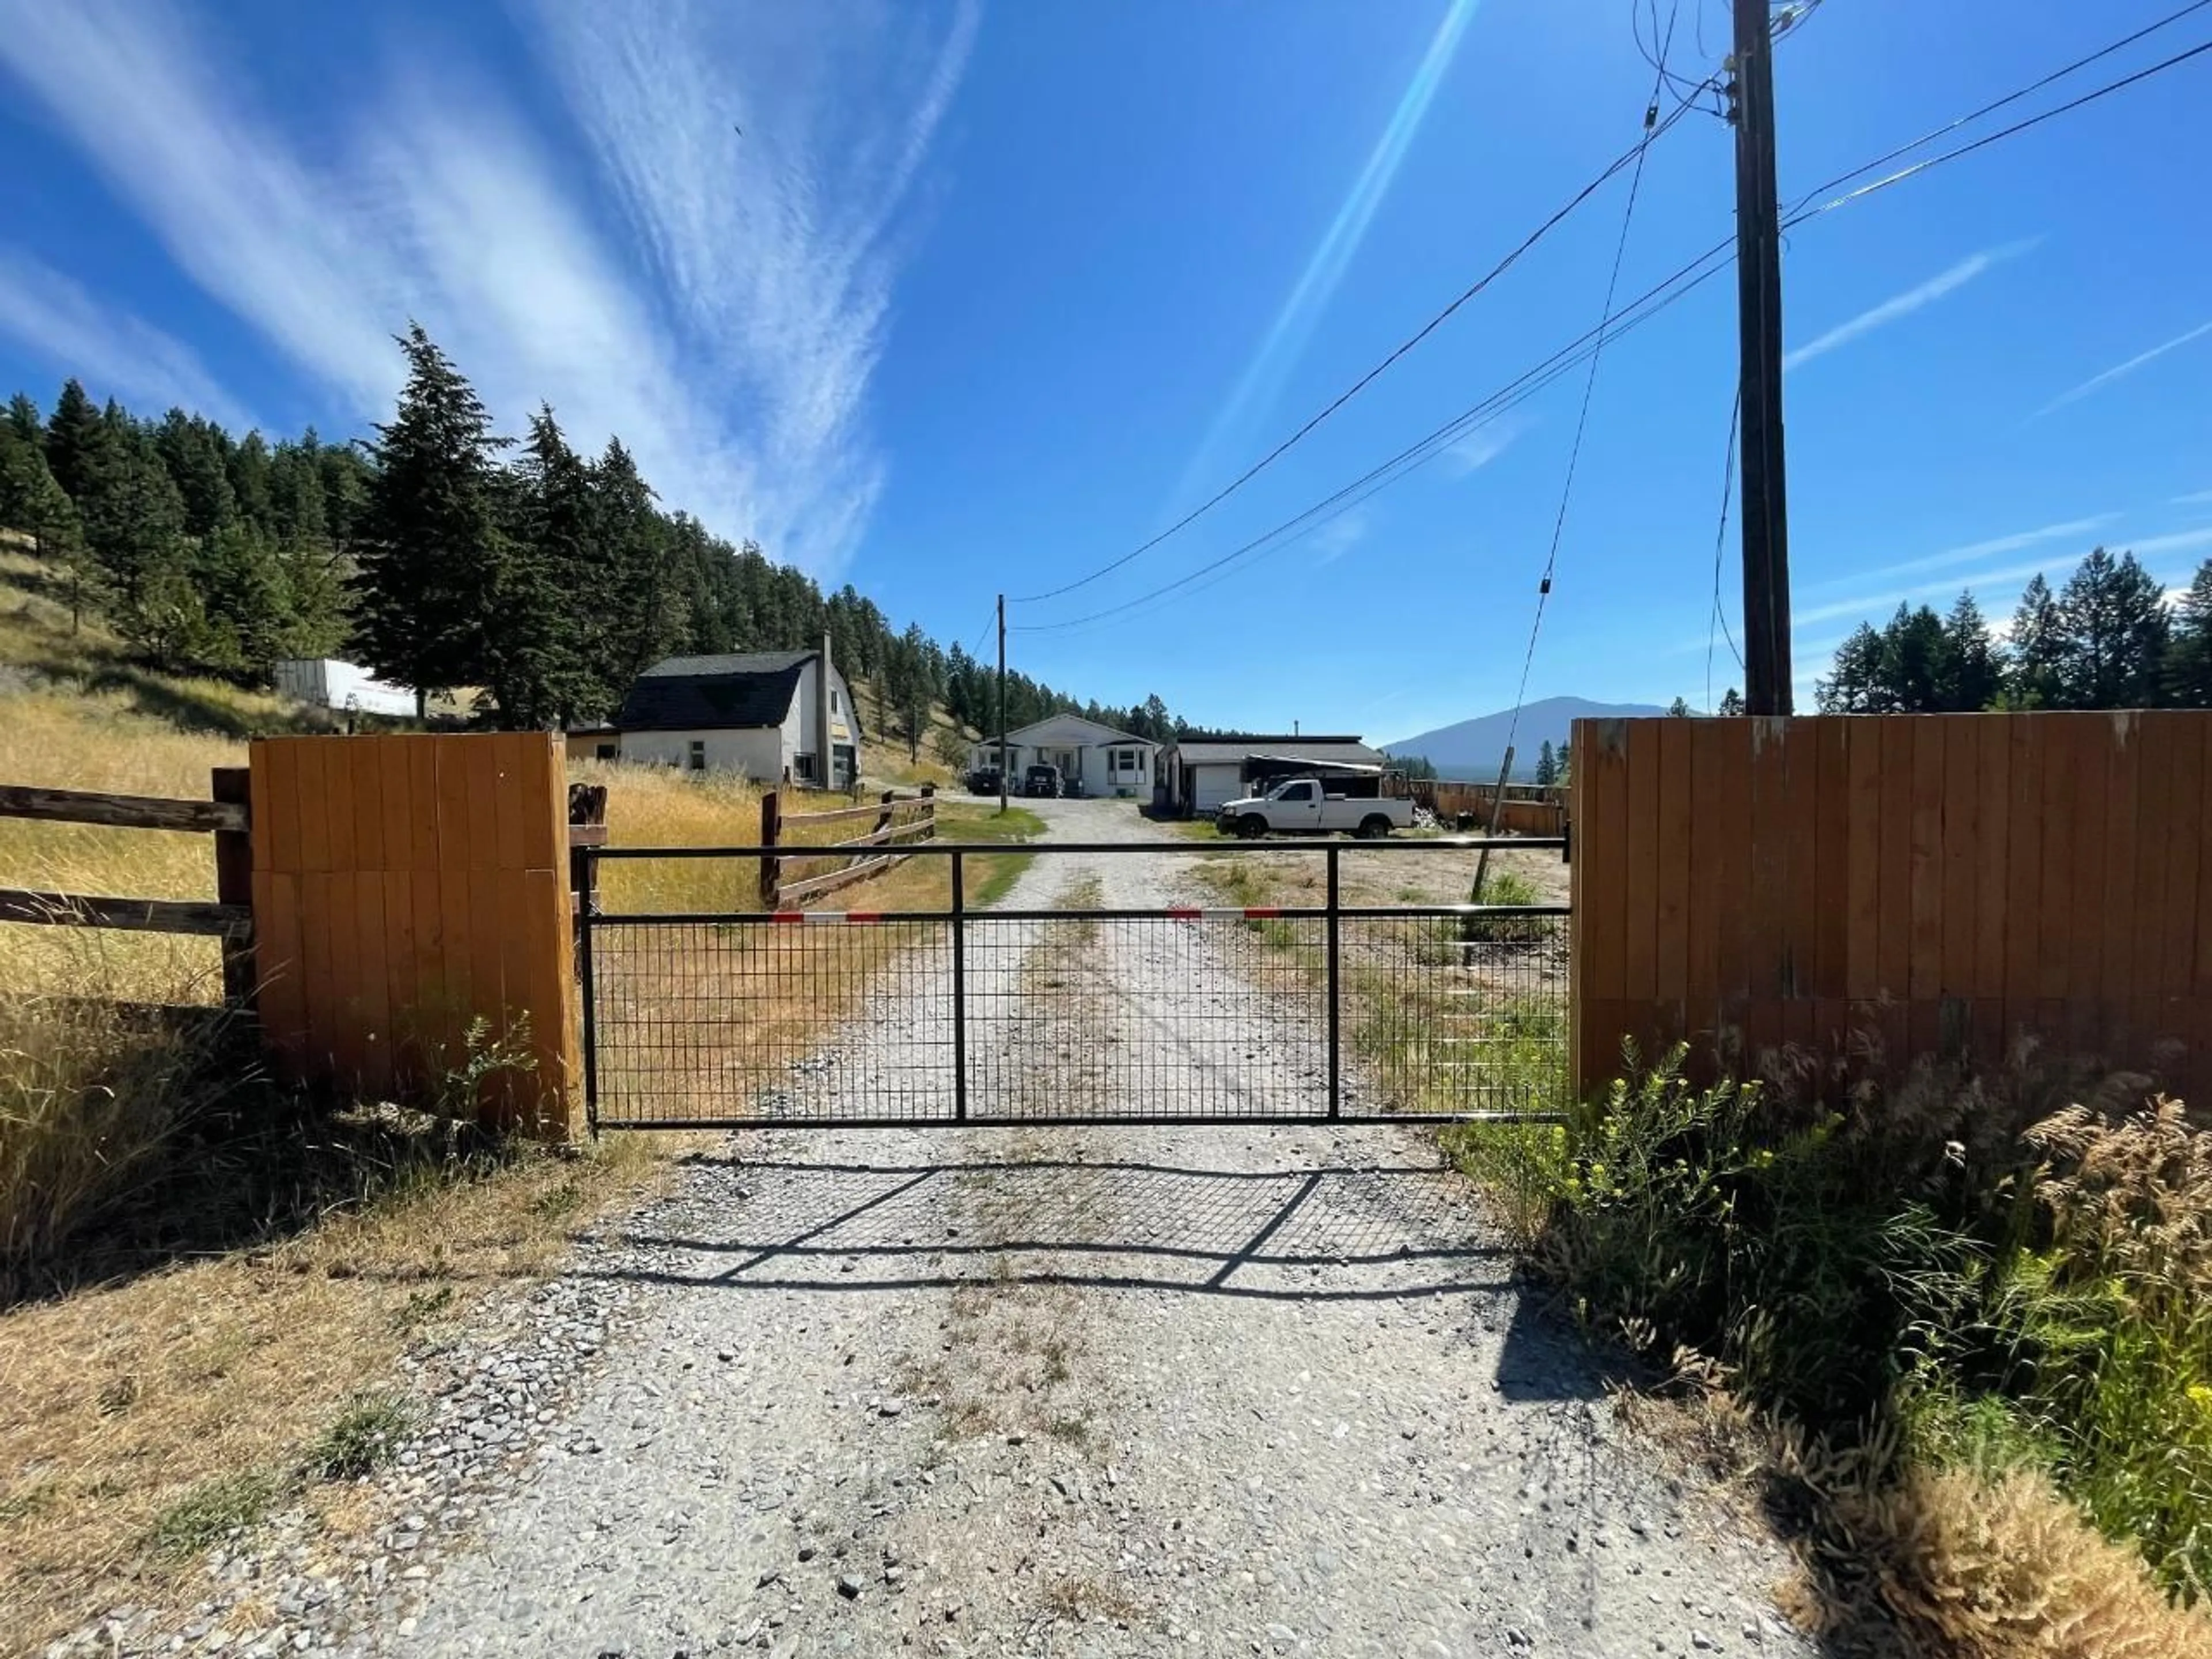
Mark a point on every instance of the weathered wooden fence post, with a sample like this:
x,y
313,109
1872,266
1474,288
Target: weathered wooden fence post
x,y
771,867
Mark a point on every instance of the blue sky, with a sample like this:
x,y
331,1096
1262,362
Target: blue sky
x,y
987,295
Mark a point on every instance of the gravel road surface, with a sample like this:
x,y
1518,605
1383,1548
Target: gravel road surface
x,y
1085,1391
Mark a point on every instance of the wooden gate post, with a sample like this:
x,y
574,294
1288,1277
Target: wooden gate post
x,y
234,881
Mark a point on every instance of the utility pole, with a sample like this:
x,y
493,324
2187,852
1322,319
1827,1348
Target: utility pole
x,y
1758,307
1002,702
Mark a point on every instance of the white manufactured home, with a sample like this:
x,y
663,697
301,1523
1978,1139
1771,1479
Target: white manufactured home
x,y
1098,759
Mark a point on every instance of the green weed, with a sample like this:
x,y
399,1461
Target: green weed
x,y
211,1512
360,1438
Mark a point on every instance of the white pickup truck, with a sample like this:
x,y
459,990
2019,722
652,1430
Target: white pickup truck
x,y
1303,806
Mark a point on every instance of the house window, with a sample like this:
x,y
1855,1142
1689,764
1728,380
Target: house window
x,y
803,765
607,751
836,702
698,754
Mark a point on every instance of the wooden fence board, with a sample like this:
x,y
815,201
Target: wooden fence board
x,y
1671,919
1894,946
1962,845
2084,878
2122,868
310,805
511,801
1640,875
1830,888
1924,972
367,757
119,812
339,807
1993,823
1945,884
2024,876
1863,926
2058,811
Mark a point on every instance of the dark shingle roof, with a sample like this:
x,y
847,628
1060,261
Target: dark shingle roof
x,y
746,689
1210,749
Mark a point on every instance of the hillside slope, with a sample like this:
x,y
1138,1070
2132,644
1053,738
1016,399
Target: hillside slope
x,y
1473,748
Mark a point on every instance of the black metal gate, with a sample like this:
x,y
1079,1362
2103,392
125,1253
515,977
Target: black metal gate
x,y
1088,1011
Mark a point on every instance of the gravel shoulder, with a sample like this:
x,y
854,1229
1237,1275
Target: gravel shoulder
x,y
1054,1391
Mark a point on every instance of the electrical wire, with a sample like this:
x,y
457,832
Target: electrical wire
x,y
1542,374
1360,385
1589,389
1667,292
1990,108
1720,541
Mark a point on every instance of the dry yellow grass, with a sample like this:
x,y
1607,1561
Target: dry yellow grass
x,y
124,1400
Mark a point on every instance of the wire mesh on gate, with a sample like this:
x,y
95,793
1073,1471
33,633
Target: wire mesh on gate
x,y
749,1019
1077,1012
1157,1016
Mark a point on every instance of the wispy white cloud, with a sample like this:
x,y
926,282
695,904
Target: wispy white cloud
x,y
2195,498
2181,541
1301,312
1904,305
1482,445
2075,393
1339,536
113,353
2072,529
778,247
1875,606
436,200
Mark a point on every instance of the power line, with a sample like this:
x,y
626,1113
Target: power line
x,y
1720,539
1589,389
1903,173
1536,379
1371,375
1507,397
1995,104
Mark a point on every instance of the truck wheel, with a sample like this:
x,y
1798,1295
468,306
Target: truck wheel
x,y
1373,827
1251,826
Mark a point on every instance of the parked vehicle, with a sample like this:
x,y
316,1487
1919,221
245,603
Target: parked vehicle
x,y
1042,780
983,780
1302,806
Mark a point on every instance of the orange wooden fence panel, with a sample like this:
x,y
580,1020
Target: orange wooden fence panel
x,y
402,887
1894,886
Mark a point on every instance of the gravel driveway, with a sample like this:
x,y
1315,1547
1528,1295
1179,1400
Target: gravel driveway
x,y
1056,1391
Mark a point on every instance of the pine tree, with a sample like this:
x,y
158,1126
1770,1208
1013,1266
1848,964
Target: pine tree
x,y
192,450
134,529
249,469
1547,765
245,598
2112,634
1853,684
1680,709
636,612
430,542
2188,667
2036,646
1731,703
1969,675
77,441
535,645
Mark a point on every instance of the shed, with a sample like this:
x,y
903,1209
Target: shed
x,y
1201,770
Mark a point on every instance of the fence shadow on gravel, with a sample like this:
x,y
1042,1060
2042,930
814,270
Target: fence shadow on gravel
x,y
1333,1233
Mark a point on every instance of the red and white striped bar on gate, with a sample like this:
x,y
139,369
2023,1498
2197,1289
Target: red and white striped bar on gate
x,y
1251,912
828,918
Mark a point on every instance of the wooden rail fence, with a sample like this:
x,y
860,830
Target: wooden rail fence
x,y
226,815
894,820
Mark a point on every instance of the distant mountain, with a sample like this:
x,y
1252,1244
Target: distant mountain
x,y
1473,748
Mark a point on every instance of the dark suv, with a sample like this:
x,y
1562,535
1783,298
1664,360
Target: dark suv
x,y
1041,780
983,780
